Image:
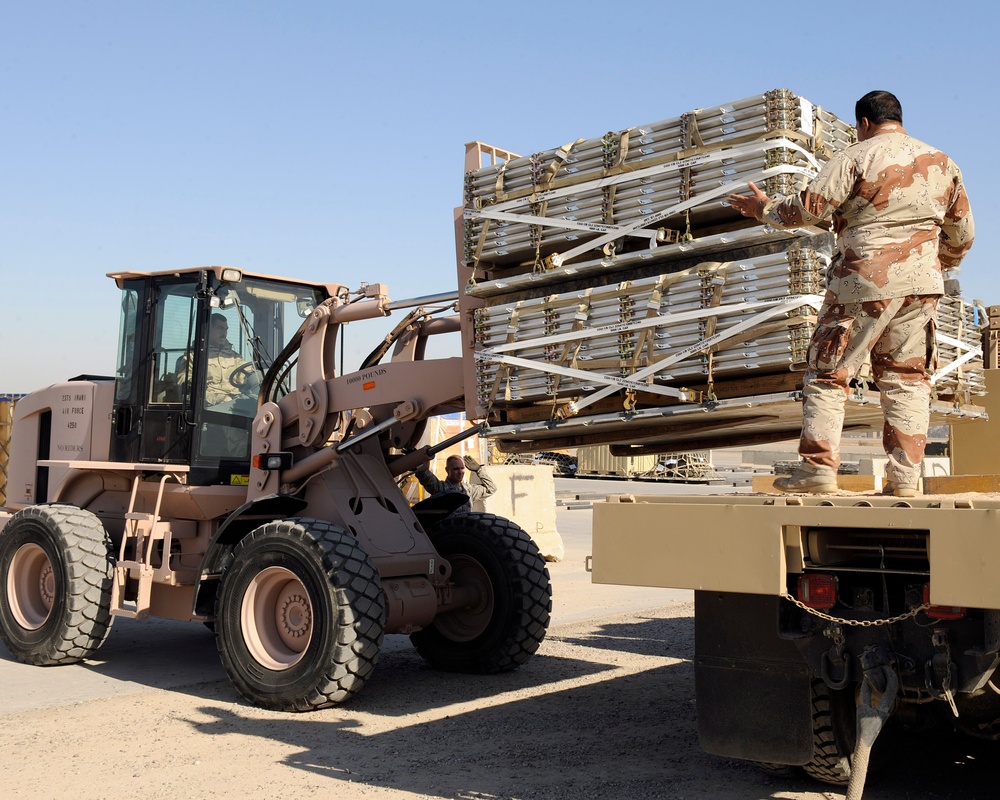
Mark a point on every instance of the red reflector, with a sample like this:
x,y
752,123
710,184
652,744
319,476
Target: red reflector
x,y
368,385
941,612
817,590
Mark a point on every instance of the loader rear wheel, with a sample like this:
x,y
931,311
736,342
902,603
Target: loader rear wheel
x,y
299,616
502,579
56,570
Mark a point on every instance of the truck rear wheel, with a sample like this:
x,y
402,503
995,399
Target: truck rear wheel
x,y
497,566
833,741
300,616
56,567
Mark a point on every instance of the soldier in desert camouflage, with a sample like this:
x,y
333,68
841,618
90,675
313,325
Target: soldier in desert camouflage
x,y
901,216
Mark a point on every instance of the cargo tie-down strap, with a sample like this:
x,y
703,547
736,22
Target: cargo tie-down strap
x,y
970,353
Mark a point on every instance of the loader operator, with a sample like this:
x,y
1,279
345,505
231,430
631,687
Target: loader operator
x,y
901,216
455,468
221,362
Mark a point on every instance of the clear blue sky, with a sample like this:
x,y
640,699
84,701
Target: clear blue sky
x,y
325,140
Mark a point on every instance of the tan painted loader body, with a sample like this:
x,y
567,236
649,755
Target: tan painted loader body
x,y
230,474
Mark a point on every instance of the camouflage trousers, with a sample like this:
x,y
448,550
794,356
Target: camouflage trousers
x,y
899,335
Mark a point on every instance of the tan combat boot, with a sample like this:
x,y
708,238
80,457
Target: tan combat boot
x,y
899,490
810,479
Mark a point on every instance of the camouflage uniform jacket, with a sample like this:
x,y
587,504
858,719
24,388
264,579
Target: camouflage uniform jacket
x,y
900,213
220,365
474,492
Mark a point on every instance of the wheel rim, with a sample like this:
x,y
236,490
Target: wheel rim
x,y
276,618
465,624
31,587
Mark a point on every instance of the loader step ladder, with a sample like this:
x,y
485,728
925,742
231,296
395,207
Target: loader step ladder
x,y
134,570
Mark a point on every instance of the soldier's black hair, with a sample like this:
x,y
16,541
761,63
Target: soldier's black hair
x,y
879,106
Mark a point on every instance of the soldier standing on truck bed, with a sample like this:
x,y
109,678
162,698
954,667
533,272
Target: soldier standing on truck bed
x,y
901,216
454,481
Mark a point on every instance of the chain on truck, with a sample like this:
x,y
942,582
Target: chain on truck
x,y
606,295
618,300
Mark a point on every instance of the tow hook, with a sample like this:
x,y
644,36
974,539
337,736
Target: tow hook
x,y
879,678
835,658
939,670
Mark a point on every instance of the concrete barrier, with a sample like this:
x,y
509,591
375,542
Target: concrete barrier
x,y
526,494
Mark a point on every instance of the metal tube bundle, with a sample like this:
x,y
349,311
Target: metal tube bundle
x,y
671,175
563,344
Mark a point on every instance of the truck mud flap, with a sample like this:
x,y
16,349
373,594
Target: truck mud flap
x,y
752,688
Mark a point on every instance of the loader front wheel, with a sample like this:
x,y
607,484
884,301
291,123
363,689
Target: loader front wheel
x,y
299,616
503,597
56,570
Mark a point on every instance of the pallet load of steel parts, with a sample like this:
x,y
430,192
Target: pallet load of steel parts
x,y
715,321
650,191
612,295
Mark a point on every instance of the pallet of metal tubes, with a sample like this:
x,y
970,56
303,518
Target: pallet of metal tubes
x,y
657,330
643,187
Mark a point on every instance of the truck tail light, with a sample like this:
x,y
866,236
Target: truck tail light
x,y
941,612
817,590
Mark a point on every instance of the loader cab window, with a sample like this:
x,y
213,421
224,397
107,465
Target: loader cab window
x,y
127,347
173,346
248,325
228,386
166,433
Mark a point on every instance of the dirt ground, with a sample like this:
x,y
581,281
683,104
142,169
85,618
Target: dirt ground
x,y
605,709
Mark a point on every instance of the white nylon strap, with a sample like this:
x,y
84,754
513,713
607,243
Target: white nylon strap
x,y
558,259
971,352
778,306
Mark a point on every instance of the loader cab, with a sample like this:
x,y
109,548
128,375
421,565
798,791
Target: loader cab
x,y
193,349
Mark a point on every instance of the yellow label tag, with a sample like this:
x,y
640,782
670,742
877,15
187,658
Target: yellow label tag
x,y
239,480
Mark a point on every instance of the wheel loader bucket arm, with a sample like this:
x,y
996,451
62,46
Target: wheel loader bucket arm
x,y
324,409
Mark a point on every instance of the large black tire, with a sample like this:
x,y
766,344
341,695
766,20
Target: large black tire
x,y
505,573
56,569
833,735
300,616
833,740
